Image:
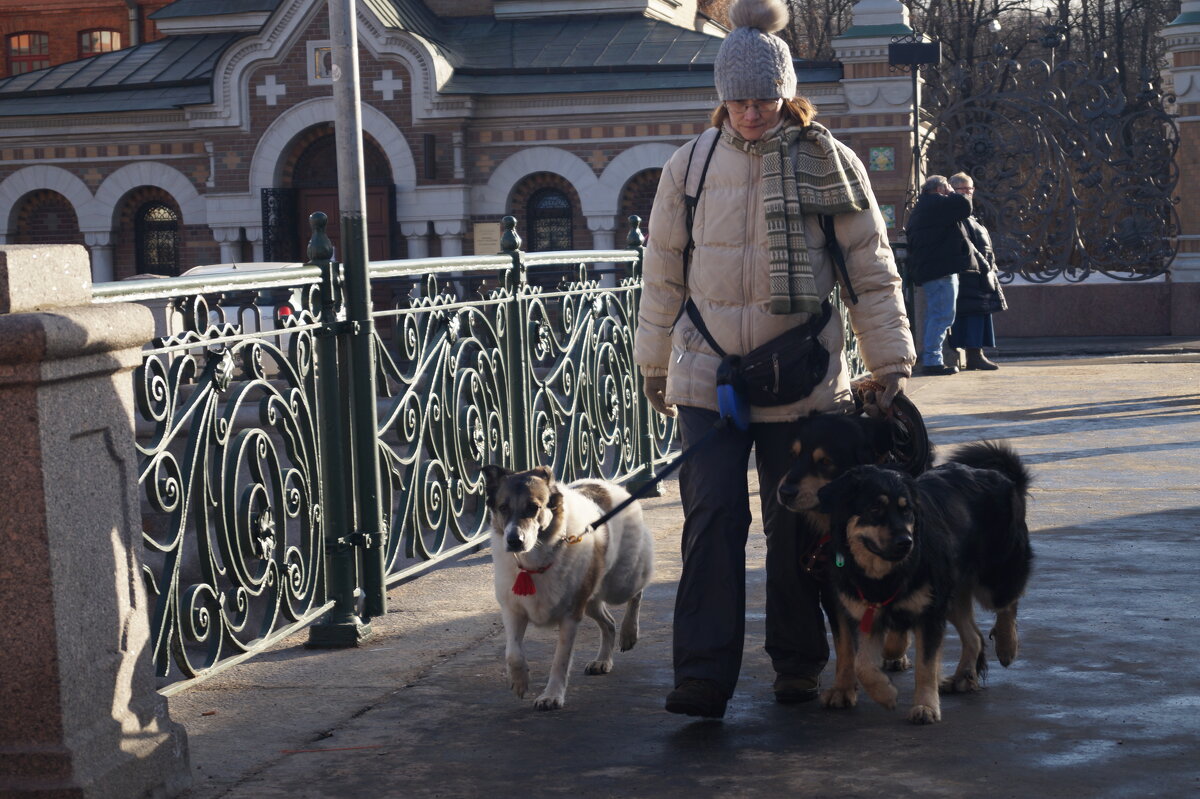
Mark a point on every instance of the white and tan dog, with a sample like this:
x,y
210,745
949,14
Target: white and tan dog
x,y
550,568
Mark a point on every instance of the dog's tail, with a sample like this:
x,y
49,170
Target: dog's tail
x,y
998,456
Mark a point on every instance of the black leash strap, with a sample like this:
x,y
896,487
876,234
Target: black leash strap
x,y
664,474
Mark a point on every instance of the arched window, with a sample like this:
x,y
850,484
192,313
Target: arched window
x,y
98,41
157,234
28,51
549,221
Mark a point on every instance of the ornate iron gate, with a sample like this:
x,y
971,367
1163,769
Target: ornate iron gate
x,y
1074,177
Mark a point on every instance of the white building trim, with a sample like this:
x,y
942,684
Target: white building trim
x,y
492,199
37,178
626,165
102,214
272,149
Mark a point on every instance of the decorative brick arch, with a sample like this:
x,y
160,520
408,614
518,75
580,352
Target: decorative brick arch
x,y
625,166
38,177
145,173
492,199
275,145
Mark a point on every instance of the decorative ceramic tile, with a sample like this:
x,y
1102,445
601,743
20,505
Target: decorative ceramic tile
x,y
889,214
883,159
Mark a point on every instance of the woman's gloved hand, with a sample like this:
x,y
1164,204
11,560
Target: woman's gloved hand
x,y
893,384
655,389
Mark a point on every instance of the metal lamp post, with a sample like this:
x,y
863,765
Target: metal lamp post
x,y
913,52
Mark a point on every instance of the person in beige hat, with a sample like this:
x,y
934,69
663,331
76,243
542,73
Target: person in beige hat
x,y
736,231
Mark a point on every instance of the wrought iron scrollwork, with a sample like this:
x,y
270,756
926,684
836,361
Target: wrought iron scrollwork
x,y
1074,178
229,469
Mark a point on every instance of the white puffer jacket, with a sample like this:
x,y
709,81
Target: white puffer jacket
x,y
728,279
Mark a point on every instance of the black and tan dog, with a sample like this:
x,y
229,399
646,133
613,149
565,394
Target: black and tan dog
x,y
551,568
912,553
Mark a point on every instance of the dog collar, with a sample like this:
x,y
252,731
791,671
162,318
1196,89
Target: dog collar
x,y
523,586
868,617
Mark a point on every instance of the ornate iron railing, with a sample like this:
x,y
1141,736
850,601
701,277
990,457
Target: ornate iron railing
x,y
244,415
1037,137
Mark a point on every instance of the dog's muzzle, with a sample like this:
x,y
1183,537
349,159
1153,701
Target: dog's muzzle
x,y
896,550
513,543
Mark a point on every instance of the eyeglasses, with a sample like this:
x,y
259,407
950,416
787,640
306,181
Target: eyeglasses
x,y
763,107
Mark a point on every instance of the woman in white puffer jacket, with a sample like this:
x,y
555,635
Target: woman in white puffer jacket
x,y
747,293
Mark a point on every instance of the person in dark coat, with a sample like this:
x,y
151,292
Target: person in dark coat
x,y
979,292
938,249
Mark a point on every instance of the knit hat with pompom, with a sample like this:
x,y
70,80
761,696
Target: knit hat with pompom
x,y
753,64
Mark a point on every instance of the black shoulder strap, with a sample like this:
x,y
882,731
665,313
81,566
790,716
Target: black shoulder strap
x,y
839,258
690,201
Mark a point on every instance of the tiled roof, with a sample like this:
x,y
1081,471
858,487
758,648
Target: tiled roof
x,y
590,53
169,62
213,8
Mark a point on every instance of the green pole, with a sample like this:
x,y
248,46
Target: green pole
x,y
341,625
370,533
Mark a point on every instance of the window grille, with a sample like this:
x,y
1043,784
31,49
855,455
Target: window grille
x,y
157,236
549,217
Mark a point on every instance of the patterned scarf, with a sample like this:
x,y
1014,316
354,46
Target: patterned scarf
x,y
802,170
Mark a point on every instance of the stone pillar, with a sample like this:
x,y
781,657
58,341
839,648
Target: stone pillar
x,y
81,717
451,234
603,230
416,234
1183,50
100,245
254,235
230,241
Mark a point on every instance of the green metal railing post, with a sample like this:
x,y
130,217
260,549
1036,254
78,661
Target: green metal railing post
x,y
371,530
341,625
516,321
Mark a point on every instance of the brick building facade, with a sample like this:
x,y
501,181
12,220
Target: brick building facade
x,y
213,143
51,32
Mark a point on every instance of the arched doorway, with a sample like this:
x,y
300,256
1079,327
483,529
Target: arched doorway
x,y
637,197
547,206
149,236
45,217
310,184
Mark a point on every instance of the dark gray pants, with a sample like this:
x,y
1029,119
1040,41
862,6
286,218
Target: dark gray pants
x,y
710,606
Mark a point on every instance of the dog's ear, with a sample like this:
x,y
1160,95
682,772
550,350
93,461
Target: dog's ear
x,y
492,477
544,473
837,493
554,503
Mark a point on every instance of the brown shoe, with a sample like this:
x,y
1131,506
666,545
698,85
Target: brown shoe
x,y
791,689
977,360
694,697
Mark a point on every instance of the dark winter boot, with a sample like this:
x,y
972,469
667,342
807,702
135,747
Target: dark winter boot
x,y
977,360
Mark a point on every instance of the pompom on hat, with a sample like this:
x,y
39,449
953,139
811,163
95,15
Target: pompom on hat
x,y
754,64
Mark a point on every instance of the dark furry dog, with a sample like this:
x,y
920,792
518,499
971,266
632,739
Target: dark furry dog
x,y
826,446
912,553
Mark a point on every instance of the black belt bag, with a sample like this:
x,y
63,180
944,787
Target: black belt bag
x,y
784,370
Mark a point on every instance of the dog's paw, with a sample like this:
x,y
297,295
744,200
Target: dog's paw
x,y
628,639
884,693
549,702
840,697
518,680
960,684
1007,641
901,663
598,667
924,714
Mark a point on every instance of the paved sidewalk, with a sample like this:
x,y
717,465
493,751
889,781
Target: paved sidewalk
x,y
1104,700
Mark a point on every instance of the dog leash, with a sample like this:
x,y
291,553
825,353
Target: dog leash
x,y
662,475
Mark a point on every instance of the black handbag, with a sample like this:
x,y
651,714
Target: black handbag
x,y
784,370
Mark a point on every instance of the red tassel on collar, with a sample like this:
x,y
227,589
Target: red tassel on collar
x,y
524,584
